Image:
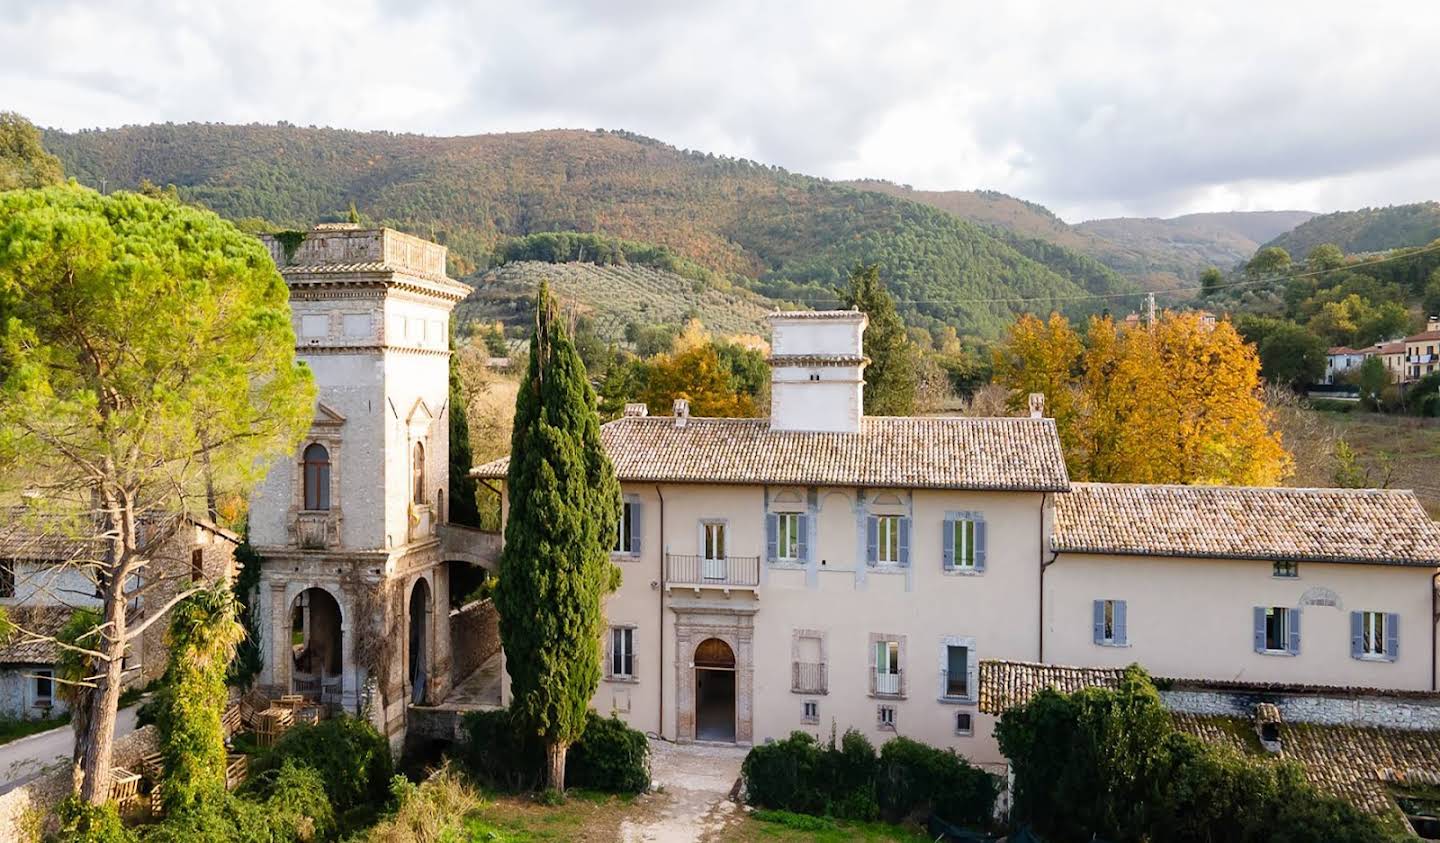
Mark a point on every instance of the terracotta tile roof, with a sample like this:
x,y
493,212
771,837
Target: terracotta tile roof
x,y
1006,684
1227,522
1424,336
1016,454
294,272
39,539
1235,733
32,645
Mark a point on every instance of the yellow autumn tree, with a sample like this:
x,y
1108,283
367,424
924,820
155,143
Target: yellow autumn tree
x,y
1176,402
692,370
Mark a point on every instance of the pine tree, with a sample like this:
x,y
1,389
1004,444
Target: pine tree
x,y
891,377
463,508
555,568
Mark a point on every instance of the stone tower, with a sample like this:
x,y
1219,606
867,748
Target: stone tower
x,y
354,597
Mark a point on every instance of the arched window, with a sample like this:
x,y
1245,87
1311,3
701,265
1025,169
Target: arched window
x,y
317,477
417,470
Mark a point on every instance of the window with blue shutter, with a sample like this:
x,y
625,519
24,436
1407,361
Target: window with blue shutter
x,y
802,529
1277,630
872,540
1375,635
903,552
963,542
1292,645
1098,622
637,530
628,531
1260,627
980,540
1109,623
1121,637
772,537
947,543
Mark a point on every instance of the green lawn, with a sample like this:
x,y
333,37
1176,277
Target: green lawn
x,y
1402,452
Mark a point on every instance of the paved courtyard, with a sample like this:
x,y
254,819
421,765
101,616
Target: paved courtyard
x,y
694,783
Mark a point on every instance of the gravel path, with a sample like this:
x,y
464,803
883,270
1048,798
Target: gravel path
x,y
695,782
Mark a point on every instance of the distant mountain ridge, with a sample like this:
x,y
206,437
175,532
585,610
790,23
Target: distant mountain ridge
x,y
1158,251
783,235
1365,230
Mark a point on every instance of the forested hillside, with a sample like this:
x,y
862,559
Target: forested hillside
x,y
1366,230
1158,252
786,235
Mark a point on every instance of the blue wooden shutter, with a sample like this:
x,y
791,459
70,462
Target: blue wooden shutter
x,y
1294,643
1099,622
1392,637
947,543
802,523
904,541
1357,635
1259,629
980,544
872,530
1120,635
637,532
772,537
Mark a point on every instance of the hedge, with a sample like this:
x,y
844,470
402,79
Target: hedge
x,y
610,756
851,782
351,758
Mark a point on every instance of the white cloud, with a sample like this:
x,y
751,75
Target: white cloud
x,y
1092,109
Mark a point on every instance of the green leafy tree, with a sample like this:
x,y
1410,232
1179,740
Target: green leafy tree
x,y
463,506
1326,256
23,159
1210,281
146,356
1372,378
204,632
1269,261
1291,355
890,379
555,568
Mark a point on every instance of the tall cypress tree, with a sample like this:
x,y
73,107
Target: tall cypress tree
x,y
891,378
555,568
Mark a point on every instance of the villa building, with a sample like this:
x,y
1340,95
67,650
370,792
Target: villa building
x,y
823,570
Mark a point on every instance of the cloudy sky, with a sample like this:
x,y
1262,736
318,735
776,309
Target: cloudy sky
x,y
1094,109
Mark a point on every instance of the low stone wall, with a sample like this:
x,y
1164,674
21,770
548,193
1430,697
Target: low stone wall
x,y
25,812
1389,711
474,637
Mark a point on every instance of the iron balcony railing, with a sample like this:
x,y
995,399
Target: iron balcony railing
x,y
883,683
809,678
954,686
697,570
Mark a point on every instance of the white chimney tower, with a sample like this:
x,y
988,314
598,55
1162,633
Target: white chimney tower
x,y
817,370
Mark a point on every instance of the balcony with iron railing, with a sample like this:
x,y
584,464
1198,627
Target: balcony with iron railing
x,y
954,686
727,573
809,678
884,683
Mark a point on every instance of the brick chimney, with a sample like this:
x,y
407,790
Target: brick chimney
x,y
817,370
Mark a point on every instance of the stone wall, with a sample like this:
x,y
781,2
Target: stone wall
x,y
172,570
25,812
1389,711
474,637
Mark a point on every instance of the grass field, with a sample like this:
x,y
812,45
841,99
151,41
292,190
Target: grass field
x,y
1398,452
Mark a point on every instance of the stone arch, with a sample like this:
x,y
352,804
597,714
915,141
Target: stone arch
x,y
420,639
316,635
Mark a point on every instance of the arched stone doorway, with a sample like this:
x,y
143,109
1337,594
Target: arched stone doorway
x,y
316,645
714,691
420,606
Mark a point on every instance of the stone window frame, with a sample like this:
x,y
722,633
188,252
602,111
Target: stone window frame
x,y
887,504
972,670
884,723
903,640
978,568
967,731
810,711
791,500
618,552
610,676
796,636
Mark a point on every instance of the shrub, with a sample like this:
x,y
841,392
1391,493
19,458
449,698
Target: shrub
x,y
284,805
351,757
786,775
914,776
496,753
426,812
82,822
1109,763
609,756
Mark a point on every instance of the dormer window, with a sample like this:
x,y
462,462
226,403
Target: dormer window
x,y
316,463
417,469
